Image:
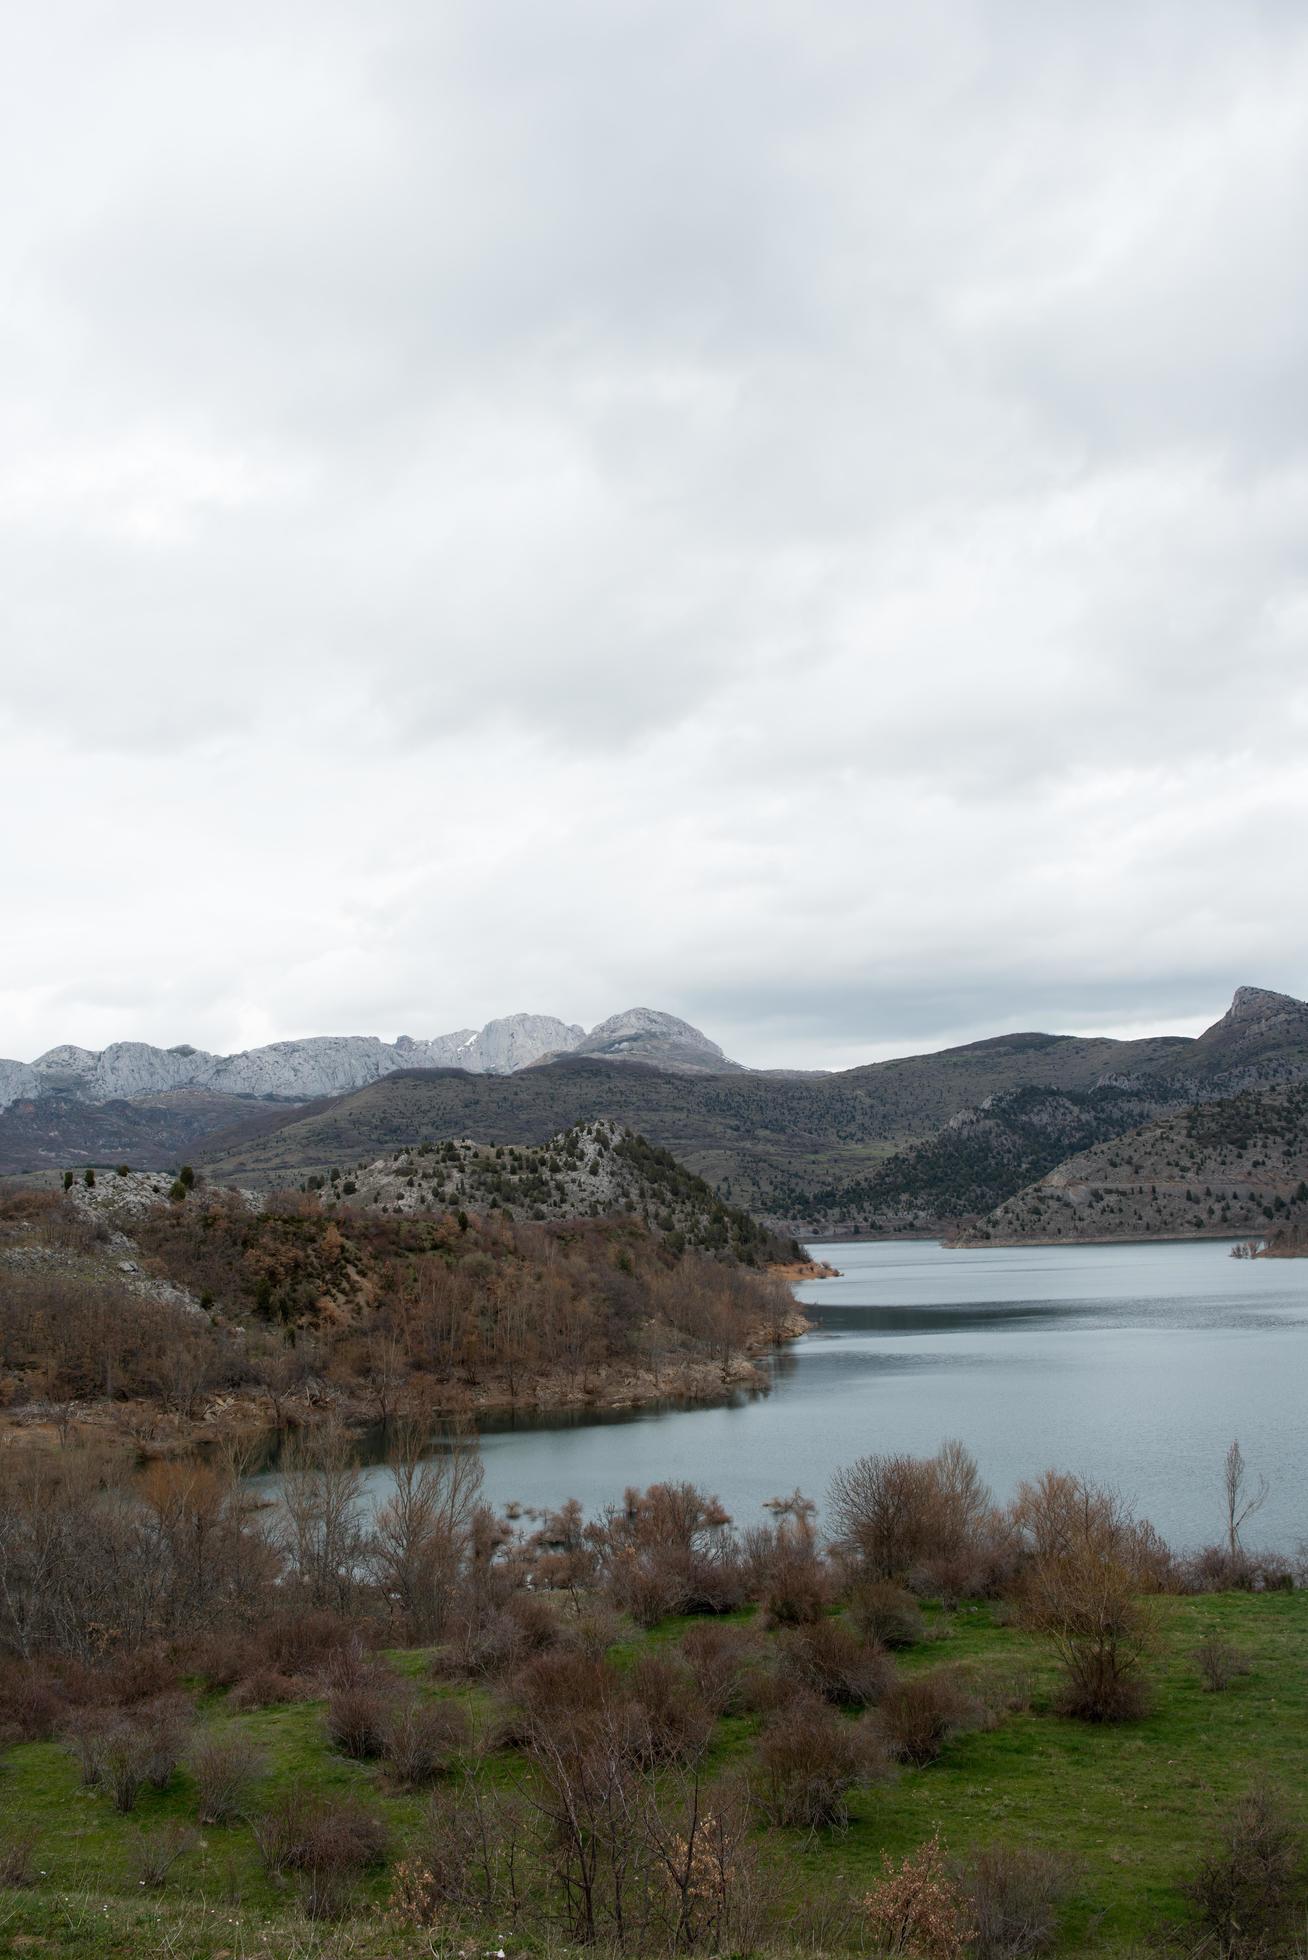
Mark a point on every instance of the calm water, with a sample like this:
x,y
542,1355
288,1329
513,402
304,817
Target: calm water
x,y
1131,1364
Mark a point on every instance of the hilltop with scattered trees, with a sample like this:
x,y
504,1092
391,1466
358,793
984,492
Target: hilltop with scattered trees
x,y
1219,1169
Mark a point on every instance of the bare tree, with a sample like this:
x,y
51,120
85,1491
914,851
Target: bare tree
x,y
323,1537
422,1531
1242,1500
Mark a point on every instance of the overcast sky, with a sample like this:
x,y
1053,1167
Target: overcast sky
x,y
791,512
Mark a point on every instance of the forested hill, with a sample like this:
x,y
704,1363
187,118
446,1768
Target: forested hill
x,y
981,1157
1235,1166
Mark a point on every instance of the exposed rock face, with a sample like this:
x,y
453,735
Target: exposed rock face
x,y
1260,1004
17,1083
299,1071
642,1034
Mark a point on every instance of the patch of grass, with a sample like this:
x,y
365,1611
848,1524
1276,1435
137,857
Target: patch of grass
x,y
1132,1806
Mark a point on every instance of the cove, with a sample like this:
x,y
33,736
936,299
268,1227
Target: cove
x,y
1133,1365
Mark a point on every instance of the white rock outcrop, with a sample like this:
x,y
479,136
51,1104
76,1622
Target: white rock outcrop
x,y
335,1064
321,1065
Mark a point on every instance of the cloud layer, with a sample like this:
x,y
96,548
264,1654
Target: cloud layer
x,y
795,515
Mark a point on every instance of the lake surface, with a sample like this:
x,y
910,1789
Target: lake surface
x,y
1134,1365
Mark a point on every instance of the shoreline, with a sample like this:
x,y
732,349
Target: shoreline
x,y
149,1433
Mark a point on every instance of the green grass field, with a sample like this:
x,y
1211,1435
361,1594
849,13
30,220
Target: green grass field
x,y
1132,1805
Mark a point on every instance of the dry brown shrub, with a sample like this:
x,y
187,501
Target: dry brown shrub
x,y
592,1632
885,1613
918,1909
469,1858
328,1843
672,1723
226,1766
145,1674
309,1642
1220,1663
154,1853
424,1740
808,1760
898,1514
649,1587
266,1687
922,1712
1013,1895
829,1660
788,1575
1090,1566
1249,1888
721,1659
358,1719
565,1682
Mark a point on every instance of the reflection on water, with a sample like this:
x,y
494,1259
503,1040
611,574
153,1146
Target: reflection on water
x,y
1135,1365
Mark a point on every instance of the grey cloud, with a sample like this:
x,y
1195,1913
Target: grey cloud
x,y
554,507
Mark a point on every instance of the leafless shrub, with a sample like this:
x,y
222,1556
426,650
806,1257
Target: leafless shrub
x,y
18,1855
885,1613
562,1684
1219,1663
1216,1569
496,1640
592,1632
922,1712
669,1549
708,1891
126,1760
788,1575
121,1750
470,1855
672,1723
829,1660
721,1659
359,1716
265,1687
328,1843
808,1761
895,1513
1249,1887
1013,1894
85,1736
165,1727
424,1740
648,1586
226,1767
1089,1563
154,1853
146,1674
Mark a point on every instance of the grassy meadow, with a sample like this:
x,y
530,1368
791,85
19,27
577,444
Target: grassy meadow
x,y
1132,1805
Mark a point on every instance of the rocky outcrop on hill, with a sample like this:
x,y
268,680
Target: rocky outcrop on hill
x,y
643,1034
596,1170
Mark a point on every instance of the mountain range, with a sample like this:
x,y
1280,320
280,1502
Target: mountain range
x,y
331,1065
921,1143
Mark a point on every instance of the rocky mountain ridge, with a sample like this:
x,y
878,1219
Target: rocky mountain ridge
x,y
333,1065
